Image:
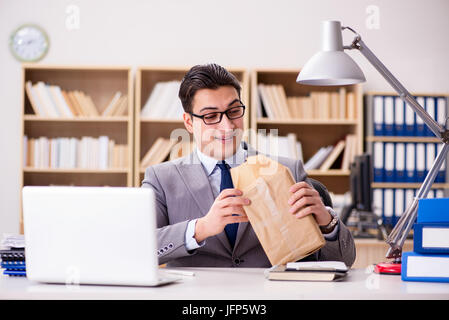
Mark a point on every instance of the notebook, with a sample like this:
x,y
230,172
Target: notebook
x,y
309,271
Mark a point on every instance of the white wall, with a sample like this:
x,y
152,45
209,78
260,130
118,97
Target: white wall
x,y
412,40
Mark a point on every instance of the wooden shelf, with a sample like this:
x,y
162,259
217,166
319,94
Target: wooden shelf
x,y
100,83
162,121
402,185
75,170
331,172
311,122
402,139
147,130
312,133
29,117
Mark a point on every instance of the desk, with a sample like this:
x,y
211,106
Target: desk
x,y
236,284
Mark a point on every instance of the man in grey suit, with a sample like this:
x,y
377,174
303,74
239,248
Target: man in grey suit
x,y
200,217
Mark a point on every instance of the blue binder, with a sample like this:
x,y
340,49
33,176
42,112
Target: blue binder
x,y
420,161
389,161
423,268
420,126
389,116
378,115
433,210
410,162
430,108
399,117
418,238
19,273
378,161
399,162
410,121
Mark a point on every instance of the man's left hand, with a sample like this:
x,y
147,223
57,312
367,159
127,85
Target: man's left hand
x,y
306,200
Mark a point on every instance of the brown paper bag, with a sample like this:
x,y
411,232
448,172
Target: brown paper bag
x,y
283,237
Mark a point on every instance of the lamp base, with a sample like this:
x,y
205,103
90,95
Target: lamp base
x,y
392,268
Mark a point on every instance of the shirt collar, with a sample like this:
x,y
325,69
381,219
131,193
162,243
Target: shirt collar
x,y
210,163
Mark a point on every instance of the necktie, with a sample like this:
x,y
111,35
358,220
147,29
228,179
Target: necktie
x,y
226,183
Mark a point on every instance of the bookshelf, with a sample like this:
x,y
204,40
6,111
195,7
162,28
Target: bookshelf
x,y
150,126
313,131
46,162
403,149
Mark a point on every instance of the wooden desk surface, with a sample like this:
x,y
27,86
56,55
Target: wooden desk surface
x,y
236,284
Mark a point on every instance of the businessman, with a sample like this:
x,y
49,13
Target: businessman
x,y
200,215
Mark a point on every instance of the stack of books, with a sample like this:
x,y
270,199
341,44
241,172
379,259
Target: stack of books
x,y
69,153
319,105
338,156
12,255
166,149
163,102
429,260
282,146
51,101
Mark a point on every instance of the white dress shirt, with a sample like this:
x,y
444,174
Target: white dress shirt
x,y
214,175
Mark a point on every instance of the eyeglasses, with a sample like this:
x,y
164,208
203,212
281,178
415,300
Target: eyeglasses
x,y
216,117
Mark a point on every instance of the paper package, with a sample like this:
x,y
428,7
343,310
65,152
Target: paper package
x,y
283,237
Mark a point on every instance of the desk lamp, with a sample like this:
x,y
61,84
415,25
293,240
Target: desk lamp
x,y
332,67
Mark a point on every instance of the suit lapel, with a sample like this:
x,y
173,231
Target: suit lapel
x,y
196,181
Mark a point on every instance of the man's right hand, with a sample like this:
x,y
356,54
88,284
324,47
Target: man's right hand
x,y
227,208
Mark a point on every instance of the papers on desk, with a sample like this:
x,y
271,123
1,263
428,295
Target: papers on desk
x,y
308,271
12,255
12,241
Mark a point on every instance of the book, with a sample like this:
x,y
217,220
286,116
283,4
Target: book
x,y
433,210
348,153
58,99
267,103
283,146
12,255
70,152
158,152
431,237
181,149
34,100
318,266
420,267
110,107
336,151
318,158
309,271
45,100
163,102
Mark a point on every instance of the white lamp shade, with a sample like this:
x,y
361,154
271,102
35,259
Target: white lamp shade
x,y
331,66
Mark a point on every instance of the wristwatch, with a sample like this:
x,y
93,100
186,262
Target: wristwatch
x,y
330,226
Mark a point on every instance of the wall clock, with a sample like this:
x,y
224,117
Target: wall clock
x,y
29,43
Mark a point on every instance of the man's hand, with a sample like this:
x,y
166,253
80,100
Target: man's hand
x,y
306,200
228,203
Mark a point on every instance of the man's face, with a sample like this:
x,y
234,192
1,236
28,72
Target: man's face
x,y
218,140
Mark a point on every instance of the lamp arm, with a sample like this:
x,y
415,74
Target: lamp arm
x,y
399,233
398,87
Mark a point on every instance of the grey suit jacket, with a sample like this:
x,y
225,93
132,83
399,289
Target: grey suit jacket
x,y
183,193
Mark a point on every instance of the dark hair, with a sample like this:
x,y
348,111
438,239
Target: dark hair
x,y
207,76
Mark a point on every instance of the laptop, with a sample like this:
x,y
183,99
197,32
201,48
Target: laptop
x,y
91,235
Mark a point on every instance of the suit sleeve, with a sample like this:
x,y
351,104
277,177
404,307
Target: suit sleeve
x,y
342,248
170,237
